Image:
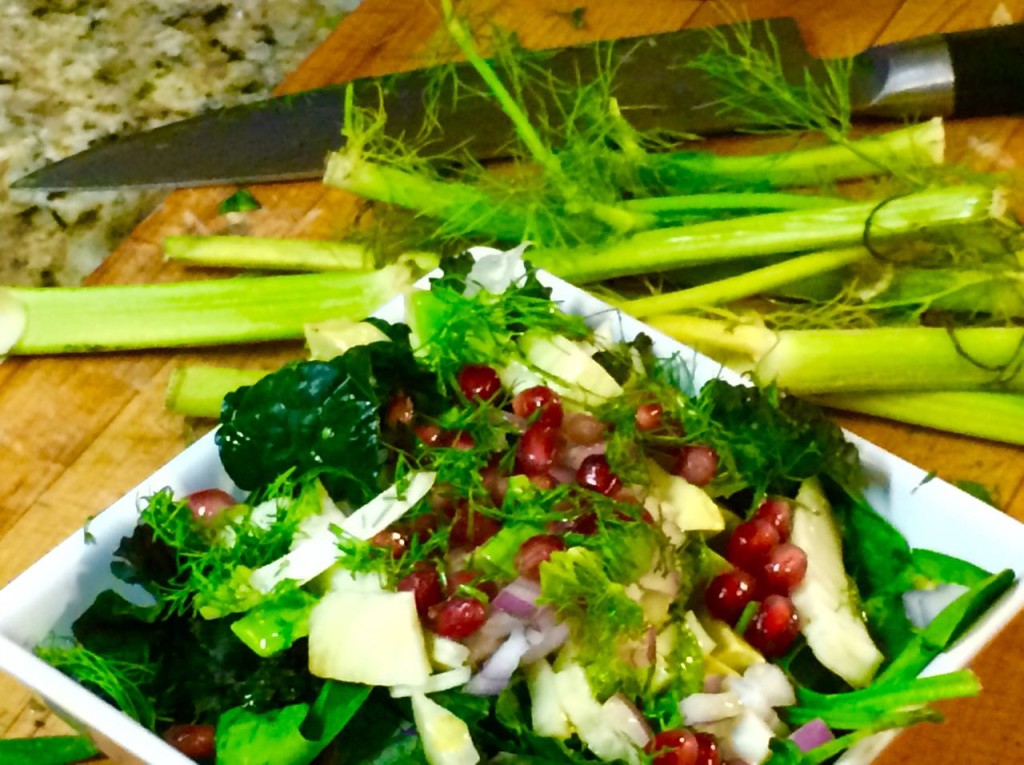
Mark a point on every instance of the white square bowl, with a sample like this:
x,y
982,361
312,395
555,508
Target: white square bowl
x,y
52,593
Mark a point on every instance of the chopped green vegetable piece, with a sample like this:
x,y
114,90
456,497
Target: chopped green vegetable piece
x,y
46,750
274,737
276,624
241,201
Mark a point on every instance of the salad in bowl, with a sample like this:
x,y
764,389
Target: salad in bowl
x,y
515,529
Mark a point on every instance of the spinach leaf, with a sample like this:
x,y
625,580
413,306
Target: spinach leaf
x,y
46,750
946,627
275,737
945,569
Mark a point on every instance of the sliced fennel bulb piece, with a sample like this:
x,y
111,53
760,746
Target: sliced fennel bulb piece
x,y
829,620
442,681
374,638
568,369
446,739
319,551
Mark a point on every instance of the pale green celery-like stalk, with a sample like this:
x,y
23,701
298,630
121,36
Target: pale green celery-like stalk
x,y
730,202
198,391
994,416
882,359
260,252
460,206
756,281
916,146
773,233
204,312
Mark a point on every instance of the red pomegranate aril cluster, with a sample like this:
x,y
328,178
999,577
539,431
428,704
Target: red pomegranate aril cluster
x,y
479,382
595,474
681,746
697,464
458,617
426,589
540,405
195,741
537,449
648,416
535,551
767,568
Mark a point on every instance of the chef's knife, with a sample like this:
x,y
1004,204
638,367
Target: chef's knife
x,y
966,74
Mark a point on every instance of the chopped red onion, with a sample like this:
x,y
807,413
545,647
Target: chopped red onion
x,y
485,641
518,599
574,456
562,474
498,670
543,642
811,735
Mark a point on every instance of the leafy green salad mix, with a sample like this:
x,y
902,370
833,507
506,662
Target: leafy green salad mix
x,y
496,534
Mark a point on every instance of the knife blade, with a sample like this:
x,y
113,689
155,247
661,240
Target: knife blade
x,y
976,73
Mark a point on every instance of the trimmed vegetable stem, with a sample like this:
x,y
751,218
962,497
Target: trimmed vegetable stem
x,y
197,391
884,359
207,312
258,252
921,145
774,233
746,284
460,206
995,416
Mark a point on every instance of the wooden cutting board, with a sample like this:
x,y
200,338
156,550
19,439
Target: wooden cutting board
x,y
78,432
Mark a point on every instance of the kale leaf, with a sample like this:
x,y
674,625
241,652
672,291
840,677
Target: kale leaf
x,y
321,418
767,441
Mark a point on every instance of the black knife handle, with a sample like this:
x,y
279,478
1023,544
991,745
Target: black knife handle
x,y
988,70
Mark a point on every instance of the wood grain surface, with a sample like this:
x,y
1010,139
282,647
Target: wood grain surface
x,y
77,432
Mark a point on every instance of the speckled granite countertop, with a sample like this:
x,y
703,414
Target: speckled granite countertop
x,y
73,71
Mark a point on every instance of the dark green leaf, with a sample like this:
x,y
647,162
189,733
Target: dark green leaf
x,y
46,750
241,201
946,569
275,737
947,627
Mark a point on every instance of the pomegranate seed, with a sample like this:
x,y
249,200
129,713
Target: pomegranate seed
x,y
400,411
728,594
479,382
543,481
581,428
707,750
779,513
426,589
750,544
431,435
537,449
471,529
677,746
395,541
783,571
648,416
774,627
596,475
533,552
469,578
458,618
463,441
209,503
492,479
195,741
697,464
585,524
543,401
